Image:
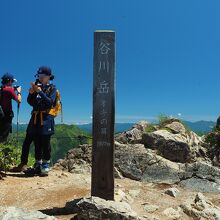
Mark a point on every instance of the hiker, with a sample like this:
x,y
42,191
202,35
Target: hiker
x,y
7,93
42,97
24,155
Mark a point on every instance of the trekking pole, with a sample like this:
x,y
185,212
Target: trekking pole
x,y
18,110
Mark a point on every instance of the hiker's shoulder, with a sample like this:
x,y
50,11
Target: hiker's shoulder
x,y
8,89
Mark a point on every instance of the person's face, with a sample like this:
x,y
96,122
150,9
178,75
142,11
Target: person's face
x,y
44,79
10,83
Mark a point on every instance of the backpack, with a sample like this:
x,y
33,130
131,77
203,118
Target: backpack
x,y
2,114
57,107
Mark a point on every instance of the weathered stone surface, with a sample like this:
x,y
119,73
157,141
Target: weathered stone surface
x,y
176,127
141,125
136,162
201,208
150,208
175,147
200,185
172,192
13,213
77,160
134,135
212,143
97,208
172,213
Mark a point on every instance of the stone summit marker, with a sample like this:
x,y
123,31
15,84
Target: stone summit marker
x,y
103,115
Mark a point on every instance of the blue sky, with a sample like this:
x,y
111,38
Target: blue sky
x,y
168,54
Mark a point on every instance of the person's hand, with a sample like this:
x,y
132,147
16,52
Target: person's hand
x,y
19,89
31,90
36,88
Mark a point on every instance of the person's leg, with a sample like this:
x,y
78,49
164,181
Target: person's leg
x,y
5,129
46,154
36,170
24,155
38,147
26,148
46,147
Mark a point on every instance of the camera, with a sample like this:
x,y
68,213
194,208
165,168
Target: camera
x,y
16,87
38,83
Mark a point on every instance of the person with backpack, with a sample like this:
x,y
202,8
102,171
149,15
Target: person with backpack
x,y
8,92
43,98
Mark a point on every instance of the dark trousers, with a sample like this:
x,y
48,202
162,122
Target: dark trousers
x,y
42,147
5,127
26,148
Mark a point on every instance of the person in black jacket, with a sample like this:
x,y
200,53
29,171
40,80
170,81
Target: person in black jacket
x,y
42,96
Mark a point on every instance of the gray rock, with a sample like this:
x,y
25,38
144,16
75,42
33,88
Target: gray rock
x,y
184,147
150,208
172,213
134,135
141,125
201,208
136,162
176,127
77,160
172,192
13,213
200,185
97,208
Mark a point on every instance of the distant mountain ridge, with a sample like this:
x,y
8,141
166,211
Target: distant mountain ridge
x,y
119,127
198,126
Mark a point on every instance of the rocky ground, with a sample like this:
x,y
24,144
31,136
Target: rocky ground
x,y
51,195
162,172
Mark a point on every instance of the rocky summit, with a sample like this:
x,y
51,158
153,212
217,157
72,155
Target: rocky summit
x,y
162,171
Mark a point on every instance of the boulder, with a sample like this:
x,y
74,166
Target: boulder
x,y
14,213
141,125
180,147
201,177
172,192
77,160
201,208
134,135
97,208
137,162
212,143
176,127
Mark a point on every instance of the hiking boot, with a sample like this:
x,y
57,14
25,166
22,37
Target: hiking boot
x,y
35,170
45,168
20,168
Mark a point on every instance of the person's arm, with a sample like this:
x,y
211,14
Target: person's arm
x,y
31,97
17,98
48,99
19,94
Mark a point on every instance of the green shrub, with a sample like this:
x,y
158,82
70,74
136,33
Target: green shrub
x,y
162,118
150,128
10,153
